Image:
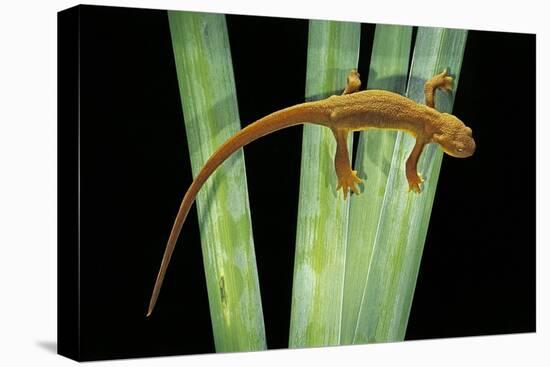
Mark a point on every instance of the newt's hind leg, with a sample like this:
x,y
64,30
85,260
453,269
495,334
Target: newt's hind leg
x,y
440,81
353,82
347,178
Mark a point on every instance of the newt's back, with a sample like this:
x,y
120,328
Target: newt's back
x,y
377,109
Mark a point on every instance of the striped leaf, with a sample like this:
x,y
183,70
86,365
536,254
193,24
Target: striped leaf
x,y
333,50
396,250
388,71
208,96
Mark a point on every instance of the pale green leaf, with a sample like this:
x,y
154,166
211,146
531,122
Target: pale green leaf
x,y
319,267
388,71
208,96
396,251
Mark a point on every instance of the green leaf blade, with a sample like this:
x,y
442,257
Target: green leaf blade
x,y
388,71
333,50
404,218
208,96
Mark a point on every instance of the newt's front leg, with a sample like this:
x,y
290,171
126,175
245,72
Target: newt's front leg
x,y
347,178
413,177
440,81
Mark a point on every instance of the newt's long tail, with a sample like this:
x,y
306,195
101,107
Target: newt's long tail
x,y
295,115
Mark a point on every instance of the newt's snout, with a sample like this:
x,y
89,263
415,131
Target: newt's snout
x,y
468,149
454,137
467,144
461,145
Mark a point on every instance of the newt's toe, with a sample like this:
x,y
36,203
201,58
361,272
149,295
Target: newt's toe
x,y
447,83
414,183
355,177
415,187
444,81
349,182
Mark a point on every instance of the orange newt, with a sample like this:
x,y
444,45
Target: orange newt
x,y
351,111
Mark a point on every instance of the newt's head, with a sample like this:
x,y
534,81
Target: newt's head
x,y
454,137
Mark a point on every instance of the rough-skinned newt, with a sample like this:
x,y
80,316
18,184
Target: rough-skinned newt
x,y
354,110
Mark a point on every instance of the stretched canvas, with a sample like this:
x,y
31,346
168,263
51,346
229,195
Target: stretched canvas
x,y
278,249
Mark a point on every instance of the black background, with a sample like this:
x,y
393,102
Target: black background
x,y
477,274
